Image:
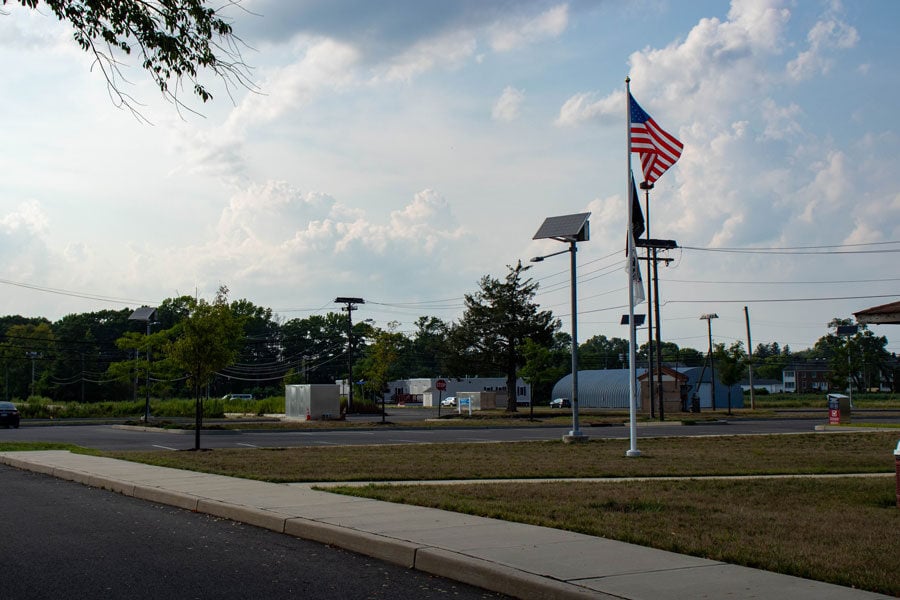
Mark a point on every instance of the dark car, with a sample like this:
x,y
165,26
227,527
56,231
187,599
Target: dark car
x,y
9,415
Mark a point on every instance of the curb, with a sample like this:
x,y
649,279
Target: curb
x,y
175,431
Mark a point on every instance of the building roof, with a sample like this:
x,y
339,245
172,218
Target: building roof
x,y
604,388
880,315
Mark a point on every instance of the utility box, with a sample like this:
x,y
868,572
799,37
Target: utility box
x,y
838,409
312,402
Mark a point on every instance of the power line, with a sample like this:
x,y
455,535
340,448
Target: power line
x,y
782,282
816,299
62,292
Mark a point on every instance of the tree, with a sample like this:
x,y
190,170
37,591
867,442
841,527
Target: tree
x,y
207,341
600,352
545,366
26,349
379,364
861,357
429,349
315,345
174,39
731,364
497,321
769,360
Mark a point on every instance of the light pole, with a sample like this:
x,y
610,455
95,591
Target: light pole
x,y
848,331
712,366
147,314
568,229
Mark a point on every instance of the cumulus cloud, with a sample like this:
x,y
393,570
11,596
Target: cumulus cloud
x,y
273,234
508,106
750,173
24,242
586,106
829,33
512,34
449,50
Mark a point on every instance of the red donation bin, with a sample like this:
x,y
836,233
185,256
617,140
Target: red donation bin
x,y
838,409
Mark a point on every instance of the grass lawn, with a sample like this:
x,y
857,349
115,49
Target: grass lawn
x,y
695,456
843,530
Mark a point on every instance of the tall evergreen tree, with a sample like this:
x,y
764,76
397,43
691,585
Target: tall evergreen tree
x,y
499,317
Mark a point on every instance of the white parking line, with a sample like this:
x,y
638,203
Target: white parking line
x,y
163,447
248,445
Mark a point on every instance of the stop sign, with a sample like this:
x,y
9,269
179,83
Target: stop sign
x,y
441,385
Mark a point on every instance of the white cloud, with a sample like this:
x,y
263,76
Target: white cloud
x,y
587,106
827,34
508,106
448,51
515,33
781,121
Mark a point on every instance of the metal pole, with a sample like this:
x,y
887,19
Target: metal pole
x,y
147,404
712,364
849,374
576,431
646,188
659,375
632,404
749,358
349,358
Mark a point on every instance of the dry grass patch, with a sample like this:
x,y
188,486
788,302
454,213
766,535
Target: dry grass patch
x,y
840,530
732,455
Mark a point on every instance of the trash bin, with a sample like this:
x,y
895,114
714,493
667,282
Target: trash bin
x,y
695,403
838,409
897,463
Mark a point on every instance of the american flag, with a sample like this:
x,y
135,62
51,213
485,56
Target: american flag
x,y
658,149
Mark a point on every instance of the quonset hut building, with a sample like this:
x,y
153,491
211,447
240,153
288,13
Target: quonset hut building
x,y
608,388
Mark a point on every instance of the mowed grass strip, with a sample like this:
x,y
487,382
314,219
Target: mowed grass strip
x,y
840,530
683,456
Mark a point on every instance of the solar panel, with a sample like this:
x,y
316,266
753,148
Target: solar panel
x,y
144,313
566,227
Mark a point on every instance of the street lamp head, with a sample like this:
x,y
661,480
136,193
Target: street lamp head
x,y
709,316
536,259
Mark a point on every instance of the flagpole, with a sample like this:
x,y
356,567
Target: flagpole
x,y
632,407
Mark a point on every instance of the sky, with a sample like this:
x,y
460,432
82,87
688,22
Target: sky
x,y
399,151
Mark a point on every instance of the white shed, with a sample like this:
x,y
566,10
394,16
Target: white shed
x,y
312,401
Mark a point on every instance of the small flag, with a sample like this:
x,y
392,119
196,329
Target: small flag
x,y
658,149
637,282
637,217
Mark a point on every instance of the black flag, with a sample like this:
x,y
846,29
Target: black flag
x,y
637,217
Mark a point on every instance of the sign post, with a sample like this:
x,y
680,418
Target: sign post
x,y
441,385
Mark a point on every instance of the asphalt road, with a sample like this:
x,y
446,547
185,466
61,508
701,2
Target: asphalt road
x,y
64,540
107,437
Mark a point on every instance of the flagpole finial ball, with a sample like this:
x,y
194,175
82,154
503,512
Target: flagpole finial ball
x,y
627,79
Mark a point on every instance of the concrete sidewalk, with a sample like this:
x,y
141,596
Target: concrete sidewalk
x,y
519,560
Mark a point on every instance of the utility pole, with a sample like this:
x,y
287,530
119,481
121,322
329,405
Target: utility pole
x,y
712,365
654,245
351,306
650,384
749,358
33,355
